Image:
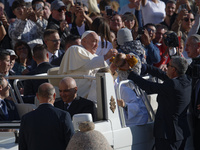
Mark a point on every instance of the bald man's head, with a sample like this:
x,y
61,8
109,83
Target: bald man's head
x,y
68,89
46,93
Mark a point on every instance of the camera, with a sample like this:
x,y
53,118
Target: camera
x,y
140,30
109,10
171,39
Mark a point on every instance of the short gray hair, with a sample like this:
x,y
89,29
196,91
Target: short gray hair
x,y
180,63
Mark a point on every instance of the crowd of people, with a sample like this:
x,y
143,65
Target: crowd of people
x,y
129,38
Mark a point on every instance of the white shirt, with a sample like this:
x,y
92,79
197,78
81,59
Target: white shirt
x,y
103,51
153,12
136,113
125,9
80,29
78,61
50,55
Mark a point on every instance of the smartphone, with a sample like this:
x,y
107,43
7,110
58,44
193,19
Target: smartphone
x,y
183,6
39,7
108,10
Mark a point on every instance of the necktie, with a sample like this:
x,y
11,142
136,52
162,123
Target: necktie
x,y
53,57
4,109
66,106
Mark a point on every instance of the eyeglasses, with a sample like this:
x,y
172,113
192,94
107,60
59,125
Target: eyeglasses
x,y
170,66
151,30
61,9
58,40
187,19
69,90
20,7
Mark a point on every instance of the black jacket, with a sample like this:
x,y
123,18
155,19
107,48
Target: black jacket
x,y
78,105
173,101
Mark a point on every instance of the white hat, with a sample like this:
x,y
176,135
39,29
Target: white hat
x,y
12,52
86,33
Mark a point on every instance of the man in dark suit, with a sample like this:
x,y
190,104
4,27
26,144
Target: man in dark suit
x,y
41,57
171,127
69,100
47,127
8,110
52,41
70,40
193,51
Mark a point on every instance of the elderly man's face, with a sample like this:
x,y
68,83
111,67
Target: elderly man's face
x,y
5,65
171,69
90,42
192,48
67,92
59,14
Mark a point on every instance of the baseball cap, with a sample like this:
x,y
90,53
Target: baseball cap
x,y
12,52
56,4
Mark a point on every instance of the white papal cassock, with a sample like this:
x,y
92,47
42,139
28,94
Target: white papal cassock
x,y
78,61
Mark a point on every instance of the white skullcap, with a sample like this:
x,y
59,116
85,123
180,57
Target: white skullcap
x,y
86,33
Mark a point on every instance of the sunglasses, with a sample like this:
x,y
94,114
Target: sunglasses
x,y
187,19
151,30
61,9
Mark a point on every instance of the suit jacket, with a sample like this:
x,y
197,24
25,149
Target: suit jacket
x,y
12,111
45,128
31,86
195,97
57,61
173,100
78,105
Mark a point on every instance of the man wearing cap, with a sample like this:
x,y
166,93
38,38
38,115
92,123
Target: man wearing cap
x,y
13,56
58,22
8,110
25,29
4,62
193,51
82,60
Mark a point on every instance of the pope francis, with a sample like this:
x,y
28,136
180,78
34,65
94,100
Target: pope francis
x,y
82,60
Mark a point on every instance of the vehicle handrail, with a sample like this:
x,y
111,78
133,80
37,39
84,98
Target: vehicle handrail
x,y
41,76
49,77
140,93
